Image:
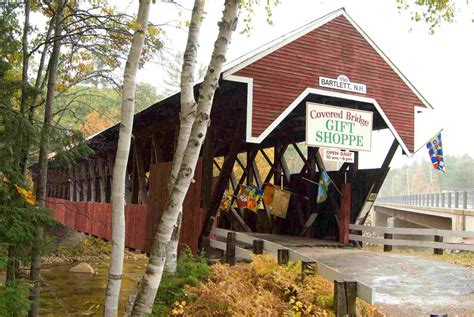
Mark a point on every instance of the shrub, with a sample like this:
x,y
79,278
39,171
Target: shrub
x,y
191,270
263,288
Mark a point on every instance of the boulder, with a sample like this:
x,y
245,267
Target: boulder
x,y
82,267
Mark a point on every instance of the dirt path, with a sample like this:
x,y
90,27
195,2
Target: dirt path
x,y
405,285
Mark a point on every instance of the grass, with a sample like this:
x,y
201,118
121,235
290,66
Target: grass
x,y
191,271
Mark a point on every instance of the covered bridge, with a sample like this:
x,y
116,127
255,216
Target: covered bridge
x,y
257,134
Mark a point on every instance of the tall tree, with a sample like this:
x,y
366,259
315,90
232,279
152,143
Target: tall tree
x,y
43,155
152,277
121,160
186,117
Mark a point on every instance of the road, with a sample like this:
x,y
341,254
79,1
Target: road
x,y
405,285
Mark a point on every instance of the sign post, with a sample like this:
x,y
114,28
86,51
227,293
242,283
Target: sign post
x,y
336,127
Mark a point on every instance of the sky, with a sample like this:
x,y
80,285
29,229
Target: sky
x,y
440,66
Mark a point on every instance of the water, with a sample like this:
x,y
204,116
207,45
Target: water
x,y
77,294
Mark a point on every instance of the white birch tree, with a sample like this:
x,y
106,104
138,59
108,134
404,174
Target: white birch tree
x,y
186,118
121,161
151,280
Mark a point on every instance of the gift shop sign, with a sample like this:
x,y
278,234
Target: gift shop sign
x,y
342,82
338,155
336,127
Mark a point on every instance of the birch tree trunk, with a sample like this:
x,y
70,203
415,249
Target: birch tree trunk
x,y
152,277
43,158
187,116
121,160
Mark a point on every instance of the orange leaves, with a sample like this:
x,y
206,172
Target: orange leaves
x,y
95,122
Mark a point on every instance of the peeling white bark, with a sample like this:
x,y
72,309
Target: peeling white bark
x,y
187,116
152,277
121,160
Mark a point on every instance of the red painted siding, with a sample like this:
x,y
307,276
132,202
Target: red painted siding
x,y
141,221
331,50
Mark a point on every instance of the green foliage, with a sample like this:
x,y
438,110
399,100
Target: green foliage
x,y
14,299
432,12
191,270
248,7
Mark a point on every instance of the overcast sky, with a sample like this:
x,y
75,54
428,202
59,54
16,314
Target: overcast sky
x,y
440,66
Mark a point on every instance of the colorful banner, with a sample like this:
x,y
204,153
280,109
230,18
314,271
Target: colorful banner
x,y
435,149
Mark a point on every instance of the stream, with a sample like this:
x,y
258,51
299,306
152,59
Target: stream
x,y
65,293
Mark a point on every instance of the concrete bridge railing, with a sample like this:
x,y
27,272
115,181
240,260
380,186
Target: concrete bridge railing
x,y
452,199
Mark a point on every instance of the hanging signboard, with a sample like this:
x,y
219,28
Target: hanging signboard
x,y
336,127
342,82
338,155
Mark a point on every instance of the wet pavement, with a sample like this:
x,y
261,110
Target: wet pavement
x,y
405,285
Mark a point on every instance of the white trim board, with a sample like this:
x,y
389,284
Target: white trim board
x,y
297,101
274,45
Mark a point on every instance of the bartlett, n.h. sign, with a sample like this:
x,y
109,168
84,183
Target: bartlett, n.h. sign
x,y
342,82
344,128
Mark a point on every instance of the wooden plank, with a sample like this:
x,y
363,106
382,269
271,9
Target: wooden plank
x,y
230,248
410,243
283,256
138,148
224,176
102,181
207,168
92,179
414,231
340,301
364,291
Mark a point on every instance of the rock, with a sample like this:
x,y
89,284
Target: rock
x,y
82,267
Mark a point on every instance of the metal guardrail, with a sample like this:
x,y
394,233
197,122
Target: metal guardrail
x,y
451,199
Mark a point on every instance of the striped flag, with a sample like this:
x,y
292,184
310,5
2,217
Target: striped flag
x,y
435,148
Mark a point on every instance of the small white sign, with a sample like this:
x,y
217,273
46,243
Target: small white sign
x,y
338,155
342,82
337,127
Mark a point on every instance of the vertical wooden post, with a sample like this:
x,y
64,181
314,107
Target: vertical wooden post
x,y
351,297
308,268
258,246
389,236
102,180
207,168
345,295
437,250
141,172
206,246
249,167
276,163
84,181
224,176
340,304
283,256
345,214
230,248
92,179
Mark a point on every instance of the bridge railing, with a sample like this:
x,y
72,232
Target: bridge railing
x,y
388,241
240,245
451,199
